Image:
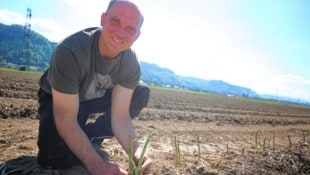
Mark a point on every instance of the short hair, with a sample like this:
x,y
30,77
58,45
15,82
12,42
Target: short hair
x,y
112,2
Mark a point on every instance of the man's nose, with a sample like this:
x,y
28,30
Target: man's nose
x,y
121,32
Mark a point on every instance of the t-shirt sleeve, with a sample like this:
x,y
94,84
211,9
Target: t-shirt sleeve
x,y
64,71
131,74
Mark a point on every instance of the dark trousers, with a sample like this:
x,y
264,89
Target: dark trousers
x,y
53,151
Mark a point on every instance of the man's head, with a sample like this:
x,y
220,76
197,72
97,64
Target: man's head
x,y
121,27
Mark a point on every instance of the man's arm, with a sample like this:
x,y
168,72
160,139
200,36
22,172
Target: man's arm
x,y
122,125
65,111
121,122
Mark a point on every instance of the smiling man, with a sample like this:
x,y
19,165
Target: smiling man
x,y
92,71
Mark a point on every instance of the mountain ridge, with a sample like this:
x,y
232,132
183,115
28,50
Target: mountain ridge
x,y
12,51
154,74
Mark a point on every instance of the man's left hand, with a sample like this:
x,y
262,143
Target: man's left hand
x,y
146,164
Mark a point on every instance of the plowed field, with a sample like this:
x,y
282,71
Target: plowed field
x,y
217,134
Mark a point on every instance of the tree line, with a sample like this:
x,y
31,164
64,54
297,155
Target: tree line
x,y
16,49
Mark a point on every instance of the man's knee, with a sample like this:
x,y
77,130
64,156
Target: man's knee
x,y
139,100
142,94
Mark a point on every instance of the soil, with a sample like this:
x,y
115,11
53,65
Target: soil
x,y
216,134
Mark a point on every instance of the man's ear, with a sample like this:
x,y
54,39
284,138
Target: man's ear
x,y
137,35
103,15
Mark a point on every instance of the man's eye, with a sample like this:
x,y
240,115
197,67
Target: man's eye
x,y
115,21
131,30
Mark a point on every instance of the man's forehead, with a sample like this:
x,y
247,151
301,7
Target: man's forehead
x,y
125,5
125,9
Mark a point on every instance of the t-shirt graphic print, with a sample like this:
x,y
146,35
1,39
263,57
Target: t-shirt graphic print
x,y
98,86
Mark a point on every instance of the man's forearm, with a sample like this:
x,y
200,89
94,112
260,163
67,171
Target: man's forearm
x,y
78,142
124,132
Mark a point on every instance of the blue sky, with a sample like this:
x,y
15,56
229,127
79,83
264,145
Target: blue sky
x,y
260,44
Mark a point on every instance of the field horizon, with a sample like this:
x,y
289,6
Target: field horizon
x,y
217,134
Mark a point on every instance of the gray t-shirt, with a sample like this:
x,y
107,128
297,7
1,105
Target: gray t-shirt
x,y
77,67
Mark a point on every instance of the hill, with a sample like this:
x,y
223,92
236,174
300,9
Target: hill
x,y
153,74
13,51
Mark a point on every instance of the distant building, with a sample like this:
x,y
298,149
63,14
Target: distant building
x,y
3,64
8,65
30,68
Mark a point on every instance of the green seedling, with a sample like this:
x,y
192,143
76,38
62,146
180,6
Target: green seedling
x,y
304,137
177,151
227,148
198,145
133,168
243,151
274,142
289,140
264,144
257,137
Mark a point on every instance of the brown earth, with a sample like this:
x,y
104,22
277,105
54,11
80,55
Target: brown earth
x,y
225,126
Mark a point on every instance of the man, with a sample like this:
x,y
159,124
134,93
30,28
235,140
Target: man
x,y
92,71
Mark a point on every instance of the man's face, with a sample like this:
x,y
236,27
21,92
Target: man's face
x,y
121,27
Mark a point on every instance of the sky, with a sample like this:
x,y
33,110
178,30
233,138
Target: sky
x,y
263,45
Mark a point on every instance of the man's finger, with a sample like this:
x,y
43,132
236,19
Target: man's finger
x,y
123,172
146,166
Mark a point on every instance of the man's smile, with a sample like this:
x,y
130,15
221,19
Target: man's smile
x,y
117,40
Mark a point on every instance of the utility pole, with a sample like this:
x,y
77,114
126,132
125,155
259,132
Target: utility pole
x,y
27,29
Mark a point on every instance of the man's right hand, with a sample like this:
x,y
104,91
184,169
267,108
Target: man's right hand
x,y
108,169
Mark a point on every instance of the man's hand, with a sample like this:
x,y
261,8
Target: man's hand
x,y
146,164
108,169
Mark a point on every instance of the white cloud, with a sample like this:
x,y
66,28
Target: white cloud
x,y
81,14
82,4
9,17
214,46
49,28
87,11
292,79
286,85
